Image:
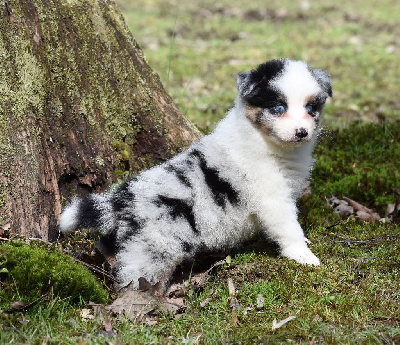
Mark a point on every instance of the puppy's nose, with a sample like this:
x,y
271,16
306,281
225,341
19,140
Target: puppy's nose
x,y
301,133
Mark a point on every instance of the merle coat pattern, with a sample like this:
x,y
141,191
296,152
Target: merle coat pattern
x,y
243,178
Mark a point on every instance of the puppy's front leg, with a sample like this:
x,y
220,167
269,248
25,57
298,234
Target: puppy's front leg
x,y
279,222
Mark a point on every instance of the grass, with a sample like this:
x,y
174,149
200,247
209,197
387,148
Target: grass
x,y
197,48
353,297
360,162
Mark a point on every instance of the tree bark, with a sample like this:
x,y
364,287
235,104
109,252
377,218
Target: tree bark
x,y
78,105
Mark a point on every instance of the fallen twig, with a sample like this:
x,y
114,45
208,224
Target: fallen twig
x,y
20,305
276,325
96,269
365,258
333,225
349,242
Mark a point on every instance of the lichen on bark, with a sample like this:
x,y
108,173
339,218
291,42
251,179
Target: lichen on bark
x,y
73,83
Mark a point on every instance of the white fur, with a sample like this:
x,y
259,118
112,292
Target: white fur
x,y
68,219
275,176
297,84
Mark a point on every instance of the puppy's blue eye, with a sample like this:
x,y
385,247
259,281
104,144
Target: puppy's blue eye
x,y
309,108
280,108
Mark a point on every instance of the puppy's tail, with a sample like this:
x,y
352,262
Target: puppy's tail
x,y
92,212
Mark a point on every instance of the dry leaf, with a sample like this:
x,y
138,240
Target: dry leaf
x,y
260,302
276,325
390,209
16,306
97,308
234,303
176,290
133,304
145,285
246,310
86,314
178,301
148,301
107,324
347,207
138,305
150,321
235,319
198,281
357,206
205,302
173,306
317,318
73,323
231,287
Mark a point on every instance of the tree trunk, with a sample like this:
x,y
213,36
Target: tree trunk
x,y
78,105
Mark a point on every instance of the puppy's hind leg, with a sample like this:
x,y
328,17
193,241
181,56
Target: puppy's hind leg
x,y
154,261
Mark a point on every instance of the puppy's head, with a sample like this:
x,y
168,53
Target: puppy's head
x,y
284,99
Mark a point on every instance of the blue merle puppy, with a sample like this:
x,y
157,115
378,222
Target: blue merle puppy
x,y
243,178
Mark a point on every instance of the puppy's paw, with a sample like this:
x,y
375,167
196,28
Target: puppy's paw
x,y
302,254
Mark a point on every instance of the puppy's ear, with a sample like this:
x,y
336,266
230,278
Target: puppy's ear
x,y
324,80
245,83
251,84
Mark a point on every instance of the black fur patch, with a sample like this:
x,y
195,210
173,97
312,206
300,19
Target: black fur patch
x,y
221,190
179,174
187,247
123,203
255,88
269,70
109,242
268,98
122,197
89,214
178,208
133,224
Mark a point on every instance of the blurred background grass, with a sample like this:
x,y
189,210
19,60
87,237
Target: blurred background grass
x,y
198,47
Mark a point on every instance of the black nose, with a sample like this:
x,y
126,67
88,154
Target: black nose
x,y
301,133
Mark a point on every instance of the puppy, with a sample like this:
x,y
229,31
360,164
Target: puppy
x,y
243,178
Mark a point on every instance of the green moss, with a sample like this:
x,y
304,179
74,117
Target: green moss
x,y
21,94
360,162
125,155
314,211
33,270
122,156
